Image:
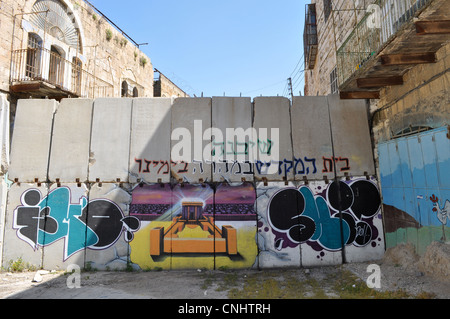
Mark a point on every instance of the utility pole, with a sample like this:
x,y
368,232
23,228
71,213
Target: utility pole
x,y
291,89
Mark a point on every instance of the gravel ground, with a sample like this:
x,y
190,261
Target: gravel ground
x,y
400,270
195,285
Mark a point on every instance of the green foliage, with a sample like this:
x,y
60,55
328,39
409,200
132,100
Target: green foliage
x,y
123,42
20,266
143,61
285,285
109,34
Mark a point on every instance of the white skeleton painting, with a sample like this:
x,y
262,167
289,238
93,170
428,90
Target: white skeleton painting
x,y
442,213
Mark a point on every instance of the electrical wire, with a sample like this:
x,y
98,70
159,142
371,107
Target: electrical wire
x,y
263,88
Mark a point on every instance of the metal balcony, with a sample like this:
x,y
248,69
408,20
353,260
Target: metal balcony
x,y
38,72
388,41
310,40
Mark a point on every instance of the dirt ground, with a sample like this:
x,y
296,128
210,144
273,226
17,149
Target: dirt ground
x,y
400,269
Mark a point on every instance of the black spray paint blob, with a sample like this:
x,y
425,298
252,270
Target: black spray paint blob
x,y
31,216
367,199
32,197
349,219
362,198
346,198
285,211
131,225
107,221
284,208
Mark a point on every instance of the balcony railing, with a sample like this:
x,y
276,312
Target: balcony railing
x,y
61,77
383,20
310,39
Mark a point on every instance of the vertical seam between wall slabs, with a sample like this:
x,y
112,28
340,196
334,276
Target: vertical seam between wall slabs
x,y
255,183
291,104
90,145
128,175
336,180
47,177
130,140
172,183
212,182
88,182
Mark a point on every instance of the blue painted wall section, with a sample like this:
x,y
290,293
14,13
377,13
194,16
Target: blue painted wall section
x,y
416,188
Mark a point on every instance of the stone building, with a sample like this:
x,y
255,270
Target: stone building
x,y
67,48
395,54
164,87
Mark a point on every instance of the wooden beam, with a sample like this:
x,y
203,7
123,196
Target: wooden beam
x,y
410,58
25,87
379,81
360,95
432,27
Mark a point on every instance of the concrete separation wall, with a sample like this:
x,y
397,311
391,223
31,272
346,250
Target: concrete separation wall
x,y
106,183
4,161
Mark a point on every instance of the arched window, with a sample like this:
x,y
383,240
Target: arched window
x,y
124,89
411,130
56,66
135,92
59,22
34,50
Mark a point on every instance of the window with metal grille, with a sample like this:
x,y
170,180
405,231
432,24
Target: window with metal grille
x,y
327,9
410,130
334,82
33,63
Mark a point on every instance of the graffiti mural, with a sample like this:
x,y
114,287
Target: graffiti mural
x,y
194,225
240,201
98,224
416,188
326,217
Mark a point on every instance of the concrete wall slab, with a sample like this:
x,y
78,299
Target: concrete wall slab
x,y
351,137
23,238
31,140
110,140
233,116
272,239
69,158
188,135
272,113
67,206
112,227
150,140
311,137
4,133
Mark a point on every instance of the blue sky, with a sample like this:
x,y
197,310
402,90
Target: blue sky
x,y
215,47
